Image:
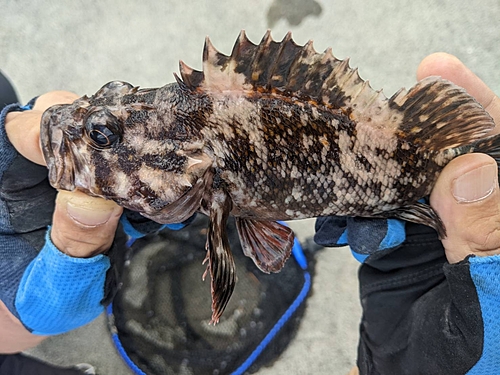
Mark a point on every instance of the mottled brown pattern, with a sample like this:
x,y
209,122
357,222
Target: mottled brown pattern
x,y
273,131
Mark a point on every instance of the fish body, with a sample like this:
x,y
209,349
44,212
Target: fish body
x,y
275,131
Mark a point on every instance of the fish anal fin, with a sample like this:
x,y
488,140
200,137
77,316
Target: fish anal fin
x,y
267,243
221,266
419,213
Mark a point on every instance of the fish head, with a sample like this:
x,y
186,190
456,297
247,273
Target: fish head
x,y
114,145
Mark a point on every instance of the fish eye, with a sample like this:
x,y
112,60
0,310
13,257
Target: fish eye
x,y
102,129
102,136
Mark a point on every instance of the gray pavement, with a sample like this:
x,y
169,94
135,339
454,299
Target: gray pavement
x,y
80,45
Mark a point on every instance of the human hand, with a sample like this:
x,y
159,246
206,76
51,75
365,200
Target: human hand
x,y
472,227
466,195
82,226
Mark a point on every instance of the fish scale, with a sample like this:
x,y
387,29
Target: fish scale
x,y
273,131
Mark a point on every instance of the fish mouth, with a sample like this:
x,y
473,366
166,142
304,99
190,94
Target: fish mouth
x,y
55,149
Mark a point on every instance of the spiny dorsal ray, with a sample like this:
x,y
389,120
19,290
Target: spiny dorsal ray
x,y
300,72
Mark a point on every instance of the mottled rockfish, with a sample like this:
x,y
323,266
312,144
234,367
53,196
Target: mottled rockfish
x,y
275,131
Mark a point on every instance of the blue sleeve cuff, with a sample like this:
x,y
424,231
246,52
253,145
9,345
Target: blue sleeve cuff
x,y
342,241
485,272
129,228
395,236
365,236
15,107
372,236
7,155
59,293
7,151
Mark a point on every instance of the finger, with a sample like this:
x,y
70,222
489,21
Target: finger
x,y
49,99
23,128
451,68
83,226
23,131
466,197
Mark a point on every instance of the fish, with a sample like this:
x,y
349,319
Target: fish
x,y
274,131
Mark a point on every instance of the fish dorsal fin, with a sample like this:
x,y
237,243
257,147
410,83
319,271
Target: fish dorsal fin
x,y
282,67
434,115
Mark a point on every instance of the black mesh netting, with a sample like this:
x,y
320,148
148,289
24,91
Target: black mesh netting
x,y
161,313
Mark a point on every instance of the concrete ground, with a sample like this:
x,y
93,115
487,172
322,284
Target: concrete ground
x,y
80,45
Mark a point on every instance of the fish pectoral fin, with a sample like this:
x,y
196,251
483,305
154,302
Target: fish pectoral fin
x,y
220,259
183,208
268,243
419,213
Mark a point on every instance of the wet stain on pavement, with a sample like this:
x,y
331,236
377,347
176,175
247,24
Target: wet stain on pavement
x,y
294,11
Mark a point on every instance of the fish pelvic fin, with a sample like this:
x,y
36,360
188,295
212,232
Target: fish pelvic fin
x,y
267,243
221,266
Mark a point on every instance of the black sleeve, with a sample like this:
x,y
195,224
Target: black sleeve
x,y
421,315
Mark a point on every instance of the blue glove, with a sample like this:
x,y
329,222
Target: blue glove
x,y
365,237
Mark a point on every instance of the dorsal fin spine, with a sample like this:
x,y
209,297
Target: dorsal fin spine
x,y
274,65
294,70
185,72
261,49
363,86
242,39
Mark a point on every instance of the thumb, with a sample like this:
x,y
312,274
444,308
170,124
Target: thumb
x,y
83,226
467,199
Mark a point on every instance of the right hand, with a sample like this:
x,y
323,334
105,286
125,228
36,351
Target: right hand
x,y
82,226
472,227
466,195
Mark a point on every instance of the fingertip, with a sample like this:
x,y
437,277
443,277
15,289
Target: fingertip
x,y
82,225
438,64
458,170
23,132
88,211
54,97
450,67
466,197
